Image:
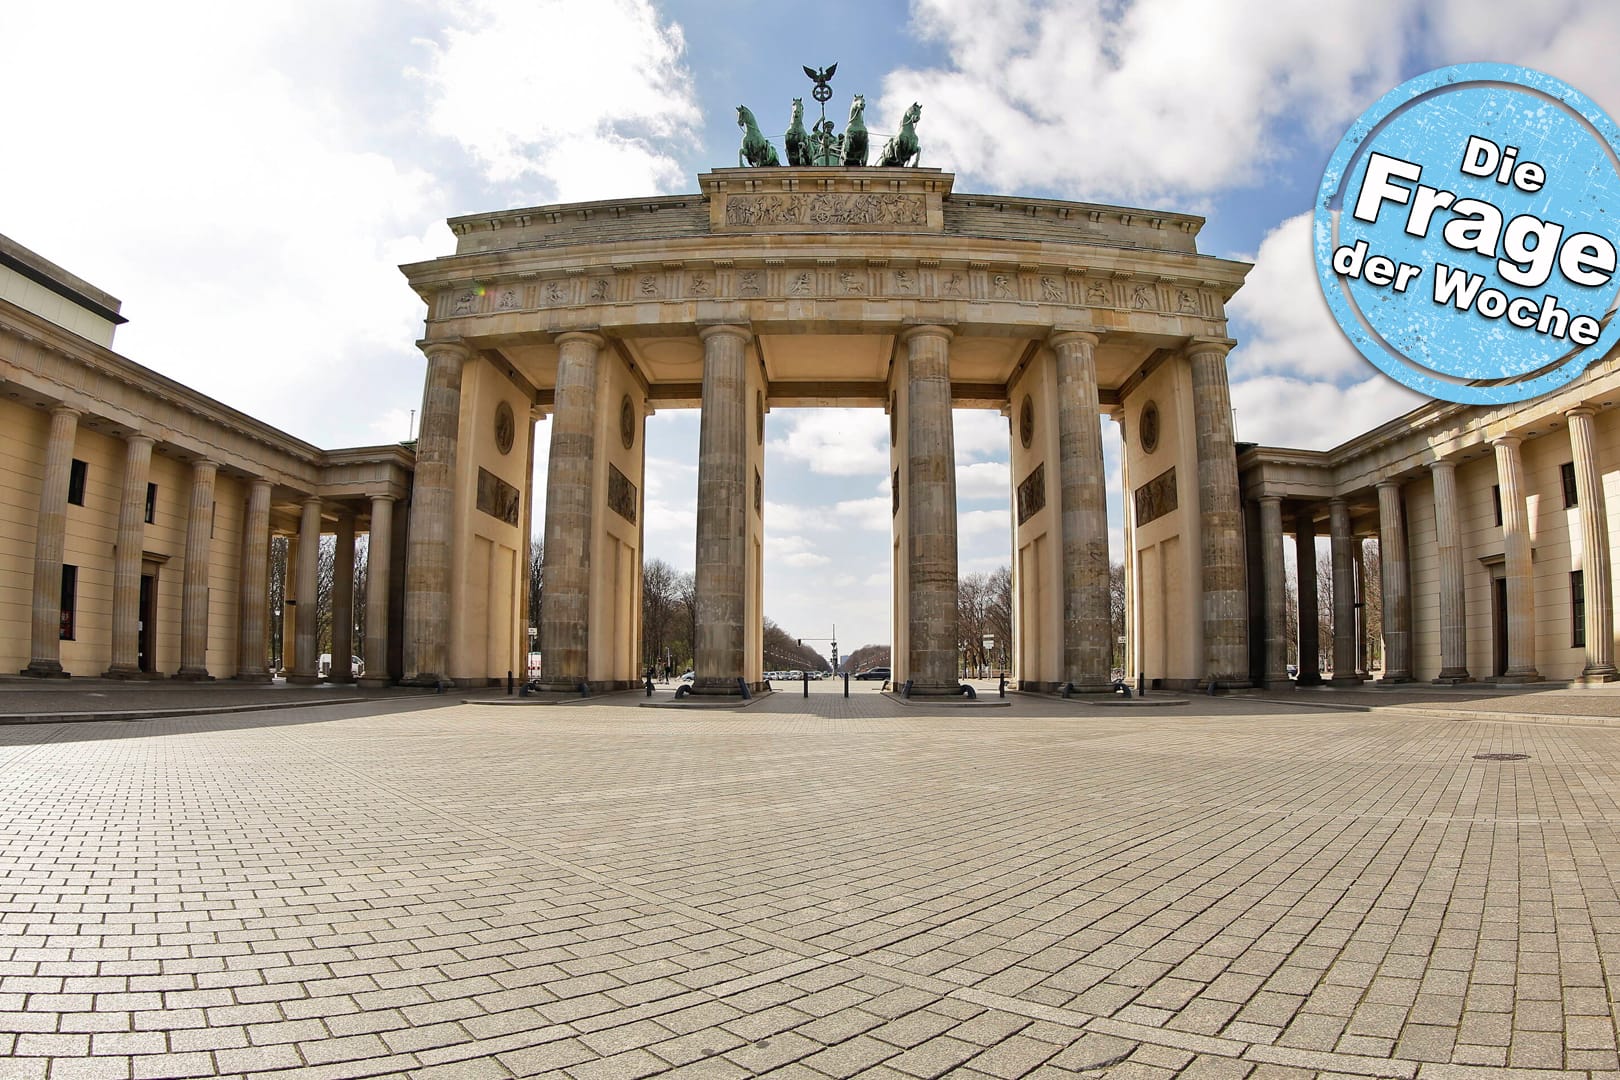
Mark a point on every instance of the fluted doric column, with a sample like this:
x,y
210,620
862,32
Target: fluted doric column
x,y
930,512
1521,594
379,546
1310,635
566,603
126,598
1342,545
50,539
1595,574
1395,567
1274,579
1220,519
1088,635
343,601
432,532
1448,551
195,576
253,605
722,512
305,667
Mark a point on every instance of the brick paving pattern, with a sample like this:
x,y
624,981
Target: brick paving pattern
x,y
809,889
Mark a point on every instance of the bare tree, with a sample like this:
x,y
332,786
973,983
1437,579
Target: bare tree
x,y
537,565
278,598
971,622
867,656
658,604
1324,611
1116,612
998,616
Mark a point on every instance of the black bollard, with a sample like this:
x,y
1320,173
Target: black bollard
x,y
509,687
806,675
1001,690
846,684
1141,685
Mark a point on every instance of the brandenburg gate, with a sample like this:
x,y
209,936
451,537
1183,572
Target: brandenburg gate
x,y
806,285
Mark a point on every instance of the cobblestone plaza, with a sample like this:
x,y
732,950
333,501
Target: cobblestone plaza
x,y
1237,887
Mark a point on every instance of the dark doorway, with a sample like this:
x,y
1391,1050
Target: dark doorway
x,y
146,656
1499,637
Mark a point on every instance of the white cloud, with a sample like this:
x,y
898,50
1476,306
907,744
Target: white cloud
x,y
1280,411
875,514
836,442
979,433
983,480
981,522
1160,99
546,114
1282,323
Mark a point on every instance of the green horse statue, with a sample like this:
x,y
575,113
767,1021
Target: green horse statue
x,y
755,150
797,139
855,132
902,149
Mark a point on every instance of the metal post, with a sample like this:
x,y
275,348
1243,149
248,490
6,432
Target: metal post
x,y
846,682
805,675
509,688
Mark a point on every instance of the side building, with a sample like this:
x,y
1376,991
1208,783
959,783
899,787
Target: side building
x,y
136,514
1493,536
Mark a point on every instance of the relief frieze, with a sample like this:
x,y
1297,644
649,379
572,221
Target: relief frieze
x,y
621,494
827,208
1157,497
497,498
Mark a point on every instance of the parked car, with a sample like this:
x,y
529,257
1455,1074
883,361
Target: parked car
x,y
874,673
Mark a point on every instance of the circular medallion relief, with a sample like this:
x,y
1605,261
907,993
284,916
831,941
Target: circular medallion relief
x,y
627,422
1026,422
1149,425
505,428
759,415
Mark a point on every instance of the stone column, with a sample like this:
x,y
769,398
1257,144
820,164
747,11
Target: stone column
x,y
253,604
931,512
566,603
289,606
432,532
1343,547
1088,635
1521,596
1595,577
126,598
1310,637
1397,584
379,544
343,601
305,667
722,523
194,580
50,538
1220,519
1448,550
1274,577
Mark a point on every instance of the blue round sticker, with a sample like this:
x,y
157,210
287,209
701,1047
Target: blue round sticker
x,y
1466,233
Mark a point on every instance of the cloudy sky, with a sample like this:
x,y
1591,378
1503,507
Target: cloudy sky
x,y
247,179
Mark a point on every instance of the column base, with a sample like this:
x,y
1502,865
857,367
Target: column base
x,y
373,682
44,669
1273,682
1602,673
1528,675
1452,676
430,679
251,676
192,675
346,678
1311,678
131,674
305,680
1347,680
1394,680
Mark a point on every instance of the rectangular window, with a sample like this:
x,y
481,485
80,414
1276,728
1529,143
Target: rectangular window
x,y
1496,503
1566,472
1577,609
76,475
151,502
70,596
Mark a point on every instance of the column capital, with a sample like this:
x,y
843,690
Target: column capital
x,y
1263,499
588,337
64,409
204,464
1389,482
1339,501
1509,440
1443,463
452,348
259,481
1061,336
311,500
1583,409
741,330
136,436
1196,345
927,330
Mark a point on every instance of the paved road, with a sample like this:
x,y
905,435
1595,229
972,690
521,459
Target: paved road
x,y
831,888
